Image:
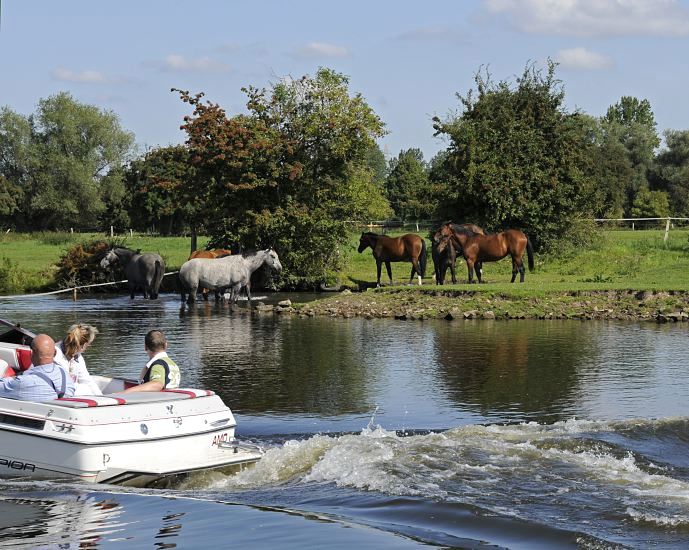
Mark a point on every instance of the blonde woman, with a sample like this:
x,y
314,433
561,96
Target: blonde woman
x,y
68,355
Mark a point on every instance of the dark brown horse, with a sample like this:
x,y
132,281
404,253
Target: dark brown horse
x,y
448,257
490,248
407,248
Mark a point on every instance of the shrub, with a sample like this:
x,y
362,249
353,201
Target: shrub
x,y
80,265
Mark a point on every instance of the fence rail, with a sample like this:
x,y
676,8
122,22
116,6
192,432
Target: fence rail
x,y
73,289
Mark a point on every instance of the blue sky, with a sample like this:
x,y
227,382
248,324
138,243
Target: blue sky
x,y
408,59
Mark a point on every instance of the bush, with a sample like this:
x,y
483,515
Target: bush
x,y
11,277
80,265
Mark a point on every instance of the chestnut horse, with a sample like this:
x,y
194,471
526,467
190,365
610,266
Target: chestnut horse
x,y
407,248
209,255
490,248
447,258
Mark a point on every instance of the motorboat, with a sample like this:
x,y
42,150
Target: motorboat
x,y
135,439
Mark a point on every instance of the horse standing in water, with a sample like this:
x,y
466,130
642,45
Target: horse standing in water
x,y
407,248
448,256
142,270
209,255
490,248
233,272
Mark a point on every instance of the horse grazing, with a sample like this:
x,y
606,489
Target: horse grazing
x,y
233,272
407,248
490,248
143,271
448,256
210,254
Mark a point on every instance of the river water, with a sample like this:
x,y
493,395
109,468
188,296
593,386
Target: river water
x,y
390,434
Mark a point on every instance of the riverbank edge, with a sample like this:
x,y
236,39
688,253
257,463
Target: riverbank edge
x,y
660,306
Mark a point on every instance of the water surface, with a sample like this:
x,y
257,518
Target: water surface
x,y
382,433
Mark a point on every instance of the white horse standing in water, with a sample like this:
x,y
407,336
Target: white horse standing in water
x,y
233,272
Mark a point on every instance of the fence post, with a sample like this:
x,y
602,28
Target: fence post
x,y
667,230
112,231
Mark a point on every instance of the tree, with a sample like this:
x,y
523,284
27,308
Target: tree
x,y
408,188
291,172
671,171
631,123
650,204
58,158
518,159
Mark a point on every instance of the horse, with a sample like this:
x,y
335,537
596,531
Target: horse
x,y
142,270
407,248
448,257
490,248
233,272
443,260
209,255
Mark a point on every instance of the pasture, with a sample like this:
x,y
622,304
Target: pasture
x,y
619,259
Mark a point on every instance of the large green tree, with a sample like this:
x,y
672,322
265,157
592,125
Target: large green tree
x,y
518,159
291,172
59,158
631,124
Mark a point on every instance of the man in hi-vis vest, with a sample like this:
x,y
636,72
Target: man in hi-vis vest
x,y
161,372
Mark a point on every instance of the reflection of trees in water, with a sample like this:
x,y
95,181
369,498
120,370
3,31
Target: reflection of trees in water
x,y
529,367
264,363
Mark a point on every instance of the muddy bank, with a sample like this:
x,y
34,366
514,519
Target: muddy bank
x,y
404,303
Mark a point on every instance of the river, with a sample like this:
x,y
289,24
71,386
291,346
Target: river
x,y
390,434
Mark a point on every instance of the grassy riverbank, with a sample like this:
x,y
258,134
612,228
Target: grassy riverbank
x,y
630,263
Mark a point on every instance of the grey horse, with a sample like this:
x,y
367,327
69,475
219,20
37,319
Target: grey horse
x,y
142,270
231,272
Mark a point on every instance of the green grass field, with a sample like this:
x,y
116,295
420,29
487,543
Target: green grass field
x,y
618,260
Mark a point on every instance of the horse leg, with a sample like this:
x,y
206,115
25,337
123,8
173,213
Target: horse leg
x,y
379,264
479,271
452,272
415,269
515,269
389,269
247,289
192,294
470,268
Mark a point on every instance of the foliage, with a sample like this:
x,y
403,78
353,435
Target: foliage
x,y
650,204
11,277
59,158
408,188
518,159
161,189
291,172
80,264
631,124
671,171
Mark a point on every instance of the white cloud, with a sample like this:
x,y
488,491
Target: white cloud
x,y
595,17
433,33
174,62
84,77
581,58
321,49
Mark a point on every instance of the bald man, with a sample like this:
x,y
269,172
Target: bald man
x,y
44,380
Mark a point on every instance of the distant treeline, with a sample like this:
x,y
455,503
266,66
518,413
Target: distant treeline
x,y
304,158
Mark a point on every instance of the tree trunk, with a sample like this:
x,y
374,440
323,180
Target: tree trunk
x,y
193,239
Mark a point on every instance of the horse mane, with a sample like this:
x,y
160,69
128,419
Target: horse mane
x,y
372,234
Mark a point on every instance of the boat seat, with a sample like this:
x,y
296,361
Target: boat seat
x,y
6,370
84,401
23,357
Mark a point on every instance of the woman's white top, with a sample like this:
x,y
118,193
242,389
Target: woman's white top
x,y
76,369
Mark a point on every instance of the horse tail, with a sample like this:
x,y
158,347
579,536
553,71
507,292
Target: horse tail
x,y
423,258
157,279
529,252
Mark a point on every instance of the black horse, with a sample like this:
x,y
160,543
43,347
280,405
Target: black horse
x,y
143,271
